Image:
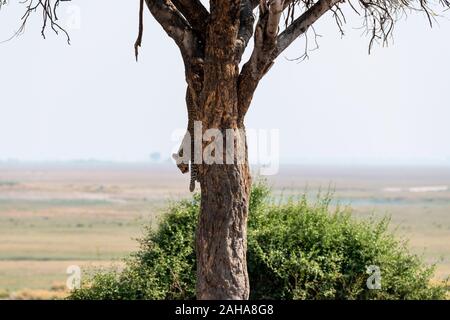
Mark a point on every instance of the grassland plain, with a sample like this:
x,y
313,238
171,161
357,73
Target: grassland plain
x,y
53,216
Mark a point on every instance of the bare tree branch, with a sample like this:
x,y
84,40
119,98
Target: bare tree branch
x,y
379,17
194,12
261,59
49,17
275,11
175,25
255,3
302,23
246,22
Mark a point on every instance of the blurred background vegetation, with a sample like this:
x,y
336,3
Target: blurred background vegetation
x,y
296,250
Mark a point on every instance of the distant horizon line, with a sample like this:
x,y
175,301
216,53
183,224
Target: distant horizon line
x,y
300,162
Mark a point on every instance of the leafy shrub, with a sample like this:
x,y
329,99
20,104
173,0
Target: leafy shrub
x,y
295,251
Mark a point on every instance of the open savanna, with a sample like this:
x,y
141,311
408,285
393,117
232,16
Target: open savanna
x,y
53,216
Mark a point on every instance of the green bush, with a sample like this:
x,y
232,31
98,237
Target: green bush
x,y
295,251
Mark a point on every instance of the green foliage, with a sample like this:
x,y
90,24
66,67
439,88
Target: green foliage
x,y
4,294
295,251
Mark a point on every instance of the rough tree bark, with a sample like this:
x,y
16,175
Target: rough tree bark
x,y
222,233
222,230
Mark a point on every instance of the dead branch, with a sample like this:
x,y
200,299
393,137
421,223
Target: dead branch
x,y
49,17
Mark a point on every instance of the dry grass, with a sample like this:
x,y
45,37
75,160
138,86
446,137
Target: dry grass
x,y
51,218
28,294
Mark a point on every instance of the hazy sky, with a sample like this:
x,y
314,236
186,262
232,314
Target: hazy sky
x,y
92,100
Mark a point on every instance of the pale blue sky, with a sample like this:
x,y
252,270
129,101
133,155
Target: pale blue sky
x,y
92,100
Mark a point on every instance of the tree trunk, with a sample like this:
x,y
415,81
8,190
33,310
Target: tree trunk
x,y
221,242
222,233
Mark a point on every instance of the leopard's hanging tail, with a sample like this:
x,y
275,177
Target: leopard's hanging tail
x,y
191,120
